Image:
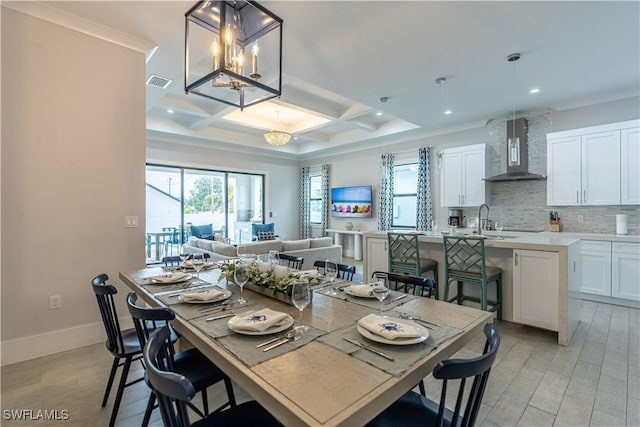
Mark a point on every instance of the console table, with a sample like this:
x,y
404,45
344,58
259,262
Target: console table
x,y
357,241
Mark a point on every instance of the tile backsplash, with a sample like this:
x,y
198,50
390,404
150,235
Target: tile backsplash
x,y
523,204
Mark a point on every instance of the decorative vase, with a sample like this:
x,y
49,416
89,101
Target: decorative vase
x,y
348,226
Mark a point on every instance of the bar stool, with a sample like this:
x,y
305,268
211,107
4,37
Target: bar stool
x,y
404,257
465,263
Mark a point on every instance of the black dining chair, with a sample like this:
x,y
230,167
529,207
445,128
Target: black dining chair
x,y
291,261
174,390
171,261
417,284
413,409
345,272
191,363
122,344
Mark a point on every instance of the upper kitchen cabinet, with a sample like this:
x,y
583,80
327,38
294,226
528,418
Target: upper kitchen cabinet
x,y
462,176
629,162
585,166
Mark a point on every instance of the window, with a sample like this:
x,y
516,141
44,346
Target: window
x,y
405,190
315,199
224,202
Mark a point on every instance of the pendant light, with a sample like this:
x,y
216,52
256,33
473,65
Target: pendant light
x,y
277,137
440,81
513,143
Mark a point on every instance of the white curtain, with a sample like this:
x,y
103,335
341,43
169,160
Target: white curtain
x,y
385,214
424,203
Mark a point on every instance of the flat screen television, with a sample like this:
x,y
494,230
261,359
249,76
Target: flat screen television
x,y
351,202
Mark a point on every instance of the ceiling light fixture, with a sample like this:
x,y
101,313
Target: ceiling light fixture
x,y
534,90
383,100
277,137
440,81
513,143
220,37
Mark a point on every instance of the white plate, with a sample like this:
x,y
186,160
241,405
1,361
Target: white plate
x,y
207,266
286,324
179,277
407,341
225,295
348,292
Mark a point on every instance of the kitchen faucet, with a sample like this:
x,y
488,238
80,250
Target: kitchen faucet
x,y
480,217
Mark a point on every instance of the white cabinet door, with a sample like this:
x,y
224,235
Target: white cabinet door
x,y
462,176
601,168
376,257
451,179
595,267
625,271
536,281
473,174
630,166
563,171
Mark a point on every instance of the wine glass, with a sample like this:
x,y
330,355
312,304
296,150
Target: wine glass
x,y
198,263
499,227
434,227
331,270
273,257
380,288
241,277
242,251
301,297
184,258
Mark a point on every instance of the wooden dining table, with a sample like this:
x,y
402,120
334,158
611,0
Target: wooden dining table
x,y
317,383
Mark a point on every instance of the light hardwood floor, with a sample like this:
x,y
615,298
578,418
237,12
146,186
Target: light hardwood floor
x,y
595,381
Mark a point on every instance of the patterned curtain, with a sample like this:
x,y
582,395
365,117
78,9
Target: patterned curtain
x,y
385,215
304,228
324,222
424,205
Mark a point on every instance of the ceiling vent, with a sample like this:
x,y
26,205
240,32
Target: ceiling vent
x,y
157,81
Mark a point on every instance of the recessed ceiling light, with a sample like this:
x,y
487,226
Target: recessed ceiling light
x,y
170,111
535,90
295,138
447,112
379,113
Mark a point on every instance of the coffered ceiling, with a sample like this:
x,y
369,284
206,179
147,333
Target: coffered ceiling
x,y
340,58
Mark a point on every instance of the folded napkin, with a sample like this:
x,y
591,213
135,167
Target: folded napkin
x,y
388,328
259,321
176,276
208,295
361,290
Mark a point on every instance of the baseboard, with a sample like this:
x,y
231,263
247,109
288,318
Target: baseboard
x,y
31,347
609,300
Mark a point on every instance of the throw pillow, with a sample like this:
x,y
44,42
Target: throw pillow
x,y
266,235
295,245
321,242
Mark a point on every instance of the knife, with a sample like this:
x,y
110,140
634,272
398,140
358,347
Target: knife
x,y
278,344
372,350
398,297
222,316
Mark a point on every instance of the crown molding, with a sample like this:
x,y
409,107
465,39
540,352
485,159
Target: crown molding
x,y
56,16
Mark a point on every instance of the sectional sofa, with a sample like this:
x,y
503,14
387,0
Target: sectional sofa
x,y
319,249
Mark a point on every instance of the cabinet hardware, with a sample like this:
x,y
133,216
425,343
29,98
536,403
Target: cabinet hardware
x,y
515,258
584,198
577,196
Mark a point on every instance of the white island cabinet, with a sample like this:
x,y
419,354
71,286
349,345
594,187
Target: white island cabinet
x,y
376,256
625,271
535,288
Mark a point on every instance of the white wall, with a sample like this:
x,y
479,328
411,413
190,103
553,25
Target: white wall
x,y
281,198
73,110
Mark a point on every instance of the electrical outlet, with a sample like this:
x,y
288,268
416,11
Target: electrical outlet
x,y
580,219
55,302
130,221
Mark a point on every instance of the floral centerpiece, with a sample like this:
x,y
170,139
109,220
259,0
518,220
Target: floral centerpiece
x,y
271,280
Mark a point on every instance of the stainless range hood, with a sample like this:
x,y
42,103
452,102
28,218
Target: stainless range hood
x,y
517,154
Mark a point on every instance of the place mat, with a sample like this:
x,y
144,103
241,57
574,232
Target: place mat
x,y
244,346
370,302
405,355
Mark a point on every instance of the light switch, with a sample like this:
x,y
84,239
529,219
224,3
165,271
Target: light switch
x,y
130,221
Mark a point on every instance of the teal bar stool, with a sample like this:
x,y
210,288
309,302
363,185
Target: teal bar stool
x,y
465,263
404,257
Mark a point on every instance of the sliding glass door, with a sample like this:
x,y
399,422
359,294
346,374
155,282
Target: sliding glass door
x,y
178,198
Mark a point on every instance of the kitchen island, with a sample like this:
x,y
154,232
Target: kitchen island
x,y
539,274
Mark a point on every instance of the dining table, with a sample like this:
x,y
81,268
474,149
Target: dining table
x,y
326,378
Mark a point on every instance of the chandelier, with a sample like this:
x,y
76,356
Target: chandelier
x,y
277,137
233,52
